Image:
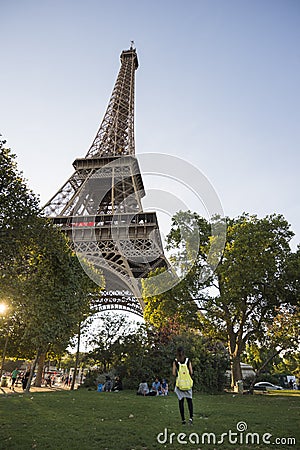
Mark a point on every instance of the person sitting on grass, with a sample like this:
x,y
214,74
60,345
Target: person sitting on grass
x,y
143,388
108,384
156,386
164,387
118,386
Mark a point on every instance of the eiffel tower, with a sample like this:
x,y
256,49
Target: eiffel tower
x,y
99,207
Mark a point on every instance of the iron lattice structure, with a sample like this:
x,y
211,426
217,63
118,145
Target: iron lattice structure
x,y
100,209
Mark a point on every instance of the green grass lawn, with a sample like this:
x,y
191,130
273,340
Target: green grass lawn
x,y
124,421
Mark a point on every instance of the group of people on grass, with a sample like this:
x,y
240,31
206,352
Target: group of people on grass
x,y
158,387
110,385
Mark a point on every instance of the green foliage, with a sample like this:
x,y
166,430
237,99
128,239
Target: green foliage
x,y
189,243
52,294
147,353
250,277
18,211
257,275
18,203
91,379
175,306
289,364
110,341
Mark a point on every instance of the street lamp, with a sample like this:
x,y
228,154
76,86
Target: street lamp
x,y
3,308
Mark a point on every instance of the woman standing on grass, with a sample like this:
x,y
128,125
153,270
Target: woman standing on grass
x,y
183,371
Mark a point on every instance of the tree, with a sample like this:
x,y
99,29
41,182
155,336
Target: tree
x,y
195,247
18,212
55,293
48,290
108,340
249,284
150,353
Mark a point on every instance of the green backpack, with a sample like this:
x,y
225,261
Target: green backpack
x,y
184,380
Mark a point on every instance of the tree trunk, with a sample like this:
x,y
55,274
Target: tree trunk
x,y
32,371
236,372
235,347
77,359
40,370
3,355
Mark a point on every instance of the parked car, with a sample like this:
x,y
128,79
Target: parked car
x,y
266,386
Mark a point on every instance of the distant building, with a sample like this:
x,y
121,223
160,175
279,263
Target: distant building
x,y
247,371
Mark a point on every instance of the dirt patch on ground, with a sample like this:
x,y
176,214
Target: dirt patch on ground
x,y
18,389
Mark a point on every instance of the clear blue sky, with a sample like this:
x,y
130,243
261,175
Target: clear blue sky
x,y
218,85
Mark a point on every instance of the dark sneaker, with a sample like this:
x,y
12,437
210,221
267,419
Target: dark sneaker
x,y
191,421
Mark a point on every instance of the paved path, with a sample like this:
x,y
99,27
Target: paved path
x,y
19,390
